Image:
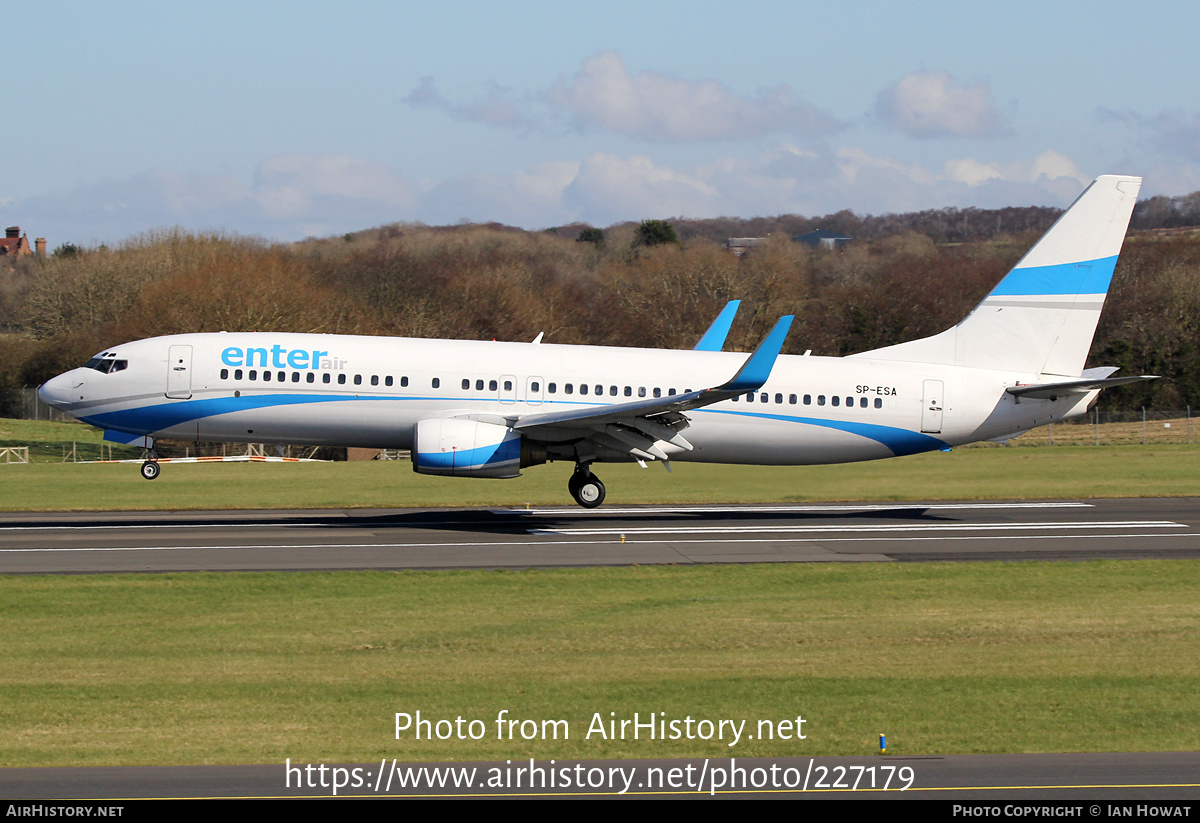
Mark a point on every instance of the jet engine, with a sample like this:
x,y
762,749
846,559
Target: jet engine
x,y
461,447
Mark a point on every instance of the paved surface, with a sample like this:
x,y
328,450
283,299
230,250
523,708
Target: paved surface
x,y
1002,778
542,537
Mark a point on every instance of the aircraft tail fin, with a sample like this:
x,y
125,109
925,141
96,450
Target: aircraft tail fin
x,y
1042,316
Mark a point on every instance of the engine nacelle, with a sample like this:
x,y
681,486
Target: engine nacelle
x,y
469,448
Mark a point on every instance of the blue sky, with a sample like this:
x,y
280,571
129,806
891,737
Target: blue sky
x,y
285,120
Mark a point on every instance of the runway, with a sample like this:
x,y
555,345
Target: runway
x,y
556,537
1167,778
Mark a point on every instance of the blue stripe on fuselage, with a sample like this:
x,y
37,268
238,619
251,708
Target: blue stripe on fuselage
x,y
901,442
147,419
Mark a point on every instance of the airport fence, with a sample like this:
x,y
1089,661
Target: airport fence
x,y
1145,427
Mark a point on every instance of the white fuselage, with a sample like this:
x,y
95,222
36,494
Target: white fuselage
x,y
370,391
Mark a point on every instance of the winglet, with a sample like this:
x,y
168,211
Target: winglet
x,y
757,367
714,338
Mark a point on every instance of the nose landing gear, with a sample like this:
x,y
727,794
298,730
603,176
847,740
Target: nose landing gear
x,y
585,487
150,467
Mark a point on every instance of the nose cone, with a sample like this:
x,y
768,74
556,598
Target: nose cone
x,y
60,391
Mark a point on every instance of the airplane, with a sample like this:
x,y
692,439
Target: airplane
x,y
468,408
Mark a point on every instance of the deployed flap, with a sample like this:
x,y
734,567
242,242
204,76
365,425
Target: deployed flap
x,y
714,338
750,377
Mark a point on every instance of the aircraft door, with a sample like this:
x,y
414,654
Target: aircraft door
x,y
931,407
179,372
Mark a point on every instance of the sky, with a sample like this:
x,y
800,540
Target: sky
x,y
285,120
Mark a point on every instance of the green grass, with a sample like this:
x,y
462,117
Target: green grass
x,y
943,658
984,473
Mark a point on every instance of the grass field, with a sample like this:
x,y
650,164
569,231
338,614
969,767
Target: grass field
x,y
993,473
243,668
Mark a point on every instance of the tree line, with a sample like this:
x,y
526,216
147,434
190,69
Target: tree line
x,y
625,286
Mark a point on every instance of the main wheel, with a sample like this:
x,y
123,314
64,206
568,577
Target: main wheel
x,y
587,490
150,470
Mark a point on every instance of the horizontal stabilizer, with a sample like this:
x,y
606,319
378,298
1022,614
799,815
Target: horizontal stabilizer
x,y
1053,391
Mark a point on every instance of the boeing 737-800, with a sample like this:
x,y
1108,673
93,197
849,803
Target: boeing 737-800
x,y
489,409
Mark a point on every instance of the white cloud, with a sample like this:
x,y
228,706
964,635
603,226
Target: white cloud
x,y
609,189
934,104
648,105
664,107
292,196
499,107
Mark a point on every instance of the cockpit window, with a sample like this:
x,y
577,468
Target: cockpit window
x,y
106,365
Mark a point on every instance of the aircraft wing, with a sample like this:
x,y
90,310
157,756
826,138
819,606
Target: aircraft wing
x,y
636,427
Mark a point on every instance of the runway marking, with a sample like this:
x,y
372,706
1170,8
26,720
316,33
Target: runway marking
x,y
882,507
782,529
614,543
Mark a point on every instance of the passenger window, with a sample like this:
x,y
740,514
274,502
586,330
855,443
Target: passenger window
x,y
493,385
552,387
641,391
295,377
325,378
534,388
341,379
583,389
437,382
508,385
358,379
374,380
657,391
835,400
808,399
310,378
791,399
750,397
478,385
862,402
237,374
599,390
879,402
568,388
466,384
254,374
403,382
849,401
779,398
282,377
612,391
224,374
820,400
766,398
387,381
267,376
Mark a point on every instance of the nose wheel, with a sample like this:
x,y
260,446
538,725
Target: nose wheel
x,y
586,488
150,468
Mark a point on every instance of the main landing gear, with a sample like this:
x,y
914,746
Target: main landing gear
x,y
150,468
586,487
